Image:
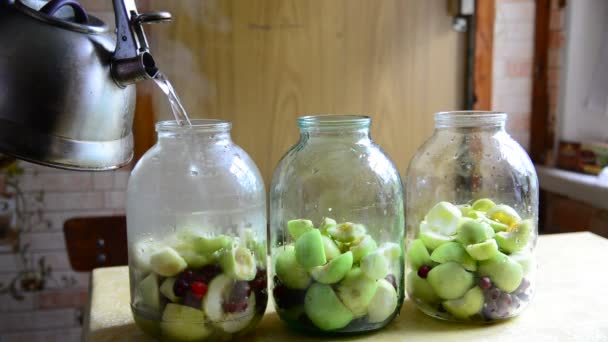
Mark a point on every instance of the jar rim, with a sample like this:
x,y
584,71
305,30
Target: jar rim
x,y
198,125
334,120
469,118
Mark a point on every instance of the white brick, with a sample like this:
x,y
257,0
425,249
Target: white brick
x,y
516,87
121,178
73,200
516,11
519,49
9,263
10,304
57,260
53,221
20,322
36,169
61,335
39,241
69,279
115,200
511,104
103,180
60,181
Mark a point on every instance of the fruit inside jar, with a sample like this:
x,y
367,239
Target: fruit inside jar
x,y
196,287
336,278
472,262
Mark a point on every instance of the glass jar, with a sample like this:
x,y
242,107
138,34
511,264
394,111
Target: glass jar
x,y
337,229
196,221
472,214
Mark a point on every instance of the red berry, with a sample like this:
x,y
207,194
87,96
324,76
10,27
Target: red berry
x,y
198,288
485,283
423,271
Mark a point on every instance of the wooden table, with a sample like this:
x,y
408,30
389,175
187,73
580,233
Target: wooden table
x,y
571,305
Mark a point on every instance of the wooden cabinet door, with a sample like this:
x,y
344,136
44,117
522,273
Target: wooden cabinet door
x,y
263,63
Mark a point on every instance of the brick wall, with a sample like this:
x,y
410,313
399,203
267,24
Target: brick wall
x,y
512,65
53,196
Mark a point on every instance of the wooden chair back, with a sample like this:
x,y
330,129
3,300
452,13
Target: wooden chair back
x,y
94,242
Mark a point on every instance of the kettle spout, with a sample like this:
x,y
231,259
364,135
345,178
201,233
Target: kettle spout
x,y
132,61
134,69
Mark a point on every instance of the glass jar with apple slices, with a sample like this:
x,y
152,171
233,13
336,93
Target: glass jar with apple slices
x,y
337,230
196,222
472,214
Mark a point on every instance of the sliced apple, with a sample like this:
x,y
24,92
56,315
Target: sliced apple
x,y
450,280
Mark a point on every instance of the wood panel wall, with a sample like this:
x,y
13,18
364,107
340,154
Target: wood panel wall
x,y
263,63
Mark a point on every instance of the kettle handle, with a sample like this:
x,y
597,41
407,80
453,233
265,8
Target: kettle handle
x,y
53,6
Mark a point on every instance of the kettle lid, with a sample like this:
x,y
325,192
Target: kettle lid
x,y
79,21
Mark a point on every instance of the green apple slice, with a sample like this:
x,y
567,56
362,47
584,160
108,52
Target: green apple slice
x,y
193,258
504,214
356,291
289,271
433,240
525,259
375,265
331,249
383,304
464,209
472,231
465,307
504,272
310,251
347,232
183,323
420,290
141,252
148,292
325,309
238,263
517,239
333,271
444,217
483,204
362,248
298,227
483,250
418,254
167,262
326,224
453,251
450,280
166,288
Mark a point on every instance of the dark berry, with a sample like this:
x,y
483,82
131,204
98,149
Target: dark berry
x,y
423,271
207,273
259,282
180,287
198,288
240,290
525,284
505,300
485,283
192,301
391,279
232,307
495,294
187,276
286,298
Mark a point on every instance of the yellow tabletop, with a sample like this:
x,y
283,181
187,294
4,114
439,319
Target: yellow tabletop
x,y
571,304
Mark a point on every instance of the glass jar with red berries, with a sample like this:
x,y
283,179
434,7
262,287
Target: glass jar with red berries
x,y
196,221
337,230
472,214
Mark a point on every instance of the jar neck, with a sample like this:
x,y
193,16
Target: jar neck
x,y
202,131
473,121
330,126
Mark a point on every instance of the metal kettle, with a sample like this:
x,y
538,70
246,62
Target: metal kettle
x,y
67,93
